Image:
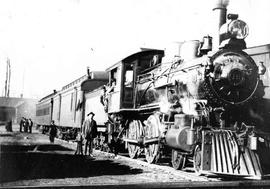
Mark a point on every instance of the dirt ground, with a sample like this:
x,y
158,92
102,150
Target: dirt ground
x,y
30,160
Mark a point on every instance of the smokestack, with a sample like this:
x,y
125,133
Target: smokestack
x,y
220,14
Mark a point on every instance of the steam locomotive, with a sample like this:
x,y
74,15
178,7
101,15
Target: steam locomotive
x,y
197,108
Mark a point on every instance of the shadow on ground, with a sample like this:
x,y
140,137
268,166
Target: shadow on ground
x,y
35,162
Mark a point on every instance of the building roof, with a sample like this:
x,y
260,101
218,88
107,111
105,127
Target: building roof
x,y
14,102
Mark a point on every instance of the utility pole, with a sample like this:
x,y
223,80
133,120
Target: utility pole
x,y
8,75
21,96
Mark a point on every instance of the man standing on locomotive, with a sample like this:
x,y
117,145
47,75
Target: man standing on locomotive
x,y
104,99
89,129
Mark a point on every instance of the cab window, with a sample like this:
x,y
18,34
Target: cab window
x,y
114,83
129,76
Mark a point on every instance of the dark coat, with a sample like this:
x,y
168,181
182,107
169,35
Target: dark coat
x,y
89,129
21,123
53,130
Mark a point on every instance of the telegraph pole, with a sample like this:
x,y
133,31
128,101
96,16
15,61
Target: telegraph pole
x,y
8,75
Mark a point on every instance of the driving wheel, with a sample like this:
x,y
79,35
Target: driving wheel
x,y
135,132
152,151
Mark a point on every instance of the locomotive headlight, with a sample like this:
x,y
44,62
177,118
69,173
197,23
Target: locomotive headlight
x,y
238,29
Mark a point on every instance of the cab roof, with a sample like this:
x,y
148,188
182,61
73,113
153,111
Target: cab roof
x,y
135,56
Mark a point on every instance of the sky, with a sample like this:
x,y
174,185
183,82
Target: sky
x,y
51,42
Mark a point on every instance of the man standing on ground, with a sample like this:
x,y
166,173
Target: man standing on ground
x,y
25,125
21,124
30,124
53,131
89,129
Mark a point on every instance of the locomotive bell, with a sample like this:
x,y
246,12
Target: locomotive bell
x,y
207,44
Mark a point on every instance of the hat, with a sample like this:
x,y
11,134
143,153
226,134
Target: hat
x,y
91,113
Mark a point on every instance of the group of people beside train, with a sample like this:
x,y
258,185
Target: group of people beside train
x,y
87,136
26,125
89,128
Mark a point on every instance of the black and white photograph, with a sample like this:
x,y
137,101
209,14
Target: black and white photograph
x,y
135,94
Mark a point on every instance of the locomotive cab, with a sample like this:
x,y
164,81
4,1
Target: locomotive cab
x,y
122,78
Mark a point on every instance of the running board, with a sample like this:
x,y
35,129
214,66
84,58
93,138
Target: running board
x,y
132,141
143,142
150,141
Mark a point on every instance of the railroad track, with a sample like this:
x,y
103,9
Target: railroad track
x,y
189,176
147,178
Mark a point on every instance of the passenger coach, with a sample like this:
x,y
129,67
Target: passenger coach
x,y
67,106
